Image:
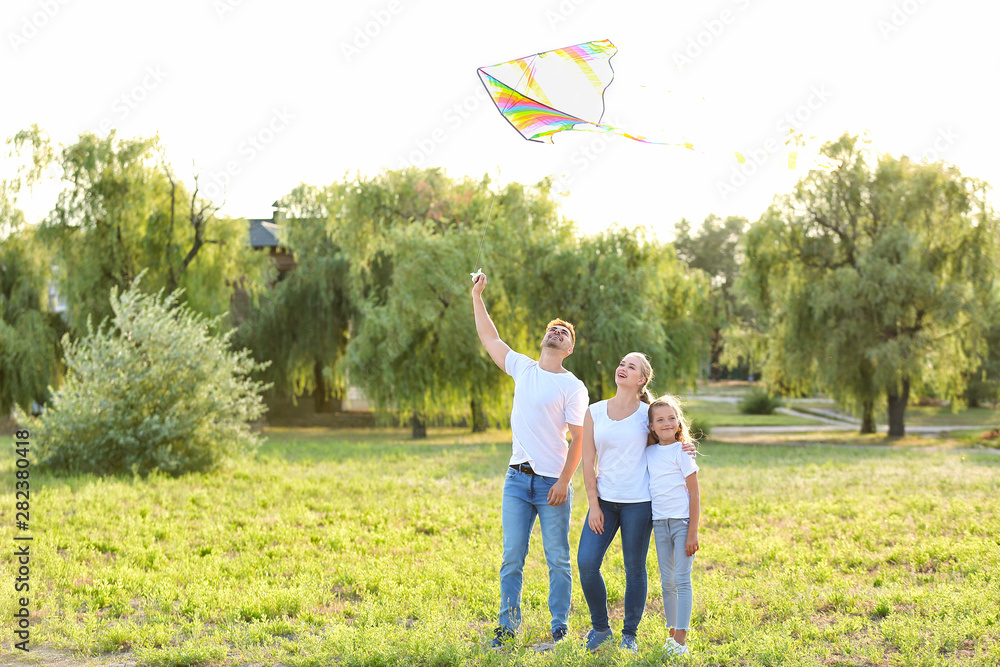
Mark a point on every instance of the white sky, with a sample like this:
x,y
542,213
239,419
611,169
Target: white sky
x,y
267,94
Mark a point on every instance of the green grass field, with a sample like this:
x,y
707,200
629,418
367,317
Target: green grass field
x,y
365,548
723,387
916,415
721,414
728,414
943,416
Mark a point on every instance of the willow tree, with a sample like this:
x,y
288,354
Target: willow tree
x,y
122,211
29,331
983,384
715,249
415,351
363,213
302,325
624,292
874,280
412,236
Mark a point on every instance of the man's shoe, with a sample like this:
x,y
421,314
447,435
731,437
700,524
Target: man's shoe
x,y
595,639
501,637
557,635
629,643
675,649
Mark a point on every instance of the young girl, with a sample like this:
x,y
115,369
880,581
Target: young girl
x,y
673,487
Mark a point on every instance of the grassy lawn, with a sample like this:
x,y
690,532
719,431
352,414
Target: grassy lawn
x,y
988,418
724,387
728,414
915,415
943,416
954,440
365,548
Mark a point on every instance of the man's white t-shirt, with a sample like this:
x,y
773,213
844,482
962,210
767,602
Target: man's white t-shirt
x,y
669,467
544,405
621,454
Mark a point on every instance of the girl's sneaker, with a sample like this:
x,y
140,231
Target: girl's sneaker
x,y
629,643
673,648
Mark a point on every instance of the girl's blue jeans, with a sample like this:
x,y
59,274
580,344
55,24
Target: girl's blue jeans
x,y
675,571
636,522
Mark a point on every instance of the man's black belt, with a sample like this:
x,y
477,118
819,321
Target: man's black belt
x,y
525,468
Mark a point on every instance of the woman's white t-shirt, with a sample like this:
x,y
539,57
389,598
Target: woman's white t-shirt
x,y
669,467
621,459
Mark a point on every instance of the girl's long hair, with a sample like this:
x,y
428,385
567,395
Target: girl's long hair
x,y
683,423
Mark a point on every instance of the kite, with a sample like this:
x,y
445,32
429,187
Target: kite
x,y
555,91
563,90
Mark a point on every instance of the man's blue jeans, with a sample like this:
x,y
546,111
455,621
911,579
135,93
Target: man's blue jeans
x,y
636,523
524,498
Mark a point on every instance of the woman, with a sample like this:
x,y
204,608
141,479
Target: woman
x,y
615,434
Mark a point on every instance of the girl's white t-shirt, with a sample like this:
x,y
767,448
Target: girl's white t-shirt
x,y
669,467
621,458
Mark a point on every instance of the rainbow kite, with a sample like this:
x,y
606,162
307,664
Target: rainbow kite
x,y
561,90
555,91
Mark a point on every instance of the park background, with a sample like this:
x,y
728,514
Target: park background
x,y
178,523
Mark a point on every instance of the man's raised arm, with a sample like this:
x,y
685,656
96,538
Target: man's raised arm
x,y
485,328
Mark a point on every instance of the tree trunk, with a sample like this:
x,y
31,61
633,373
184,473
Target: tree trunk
x,y
419,427
319,393
715,367
897,409
971,394
478,416
868,416
171,273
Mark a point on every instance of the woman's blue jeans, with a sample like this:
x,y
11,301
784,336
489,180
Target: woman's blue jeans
x,y
636,523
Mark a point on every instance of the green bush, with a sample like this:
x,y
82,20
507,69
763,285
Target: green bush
x,y
759,402
151,389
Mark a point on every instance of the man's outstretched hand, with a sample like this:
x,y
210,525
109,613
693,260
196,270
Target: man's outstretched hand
x,y
478,283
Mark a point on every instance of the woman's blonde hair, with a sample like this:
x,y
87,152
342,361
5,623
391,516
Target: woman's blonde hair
x,y
645,395
683,423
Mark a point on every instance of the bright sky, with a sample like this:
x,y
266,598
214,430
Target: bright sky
x,y
258,95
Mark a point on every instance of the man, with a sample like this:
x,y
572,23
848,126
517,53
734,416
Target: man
x,y
548,401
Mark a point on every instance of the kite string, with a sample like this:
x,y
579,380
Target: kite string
x,y
507,104
488,215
